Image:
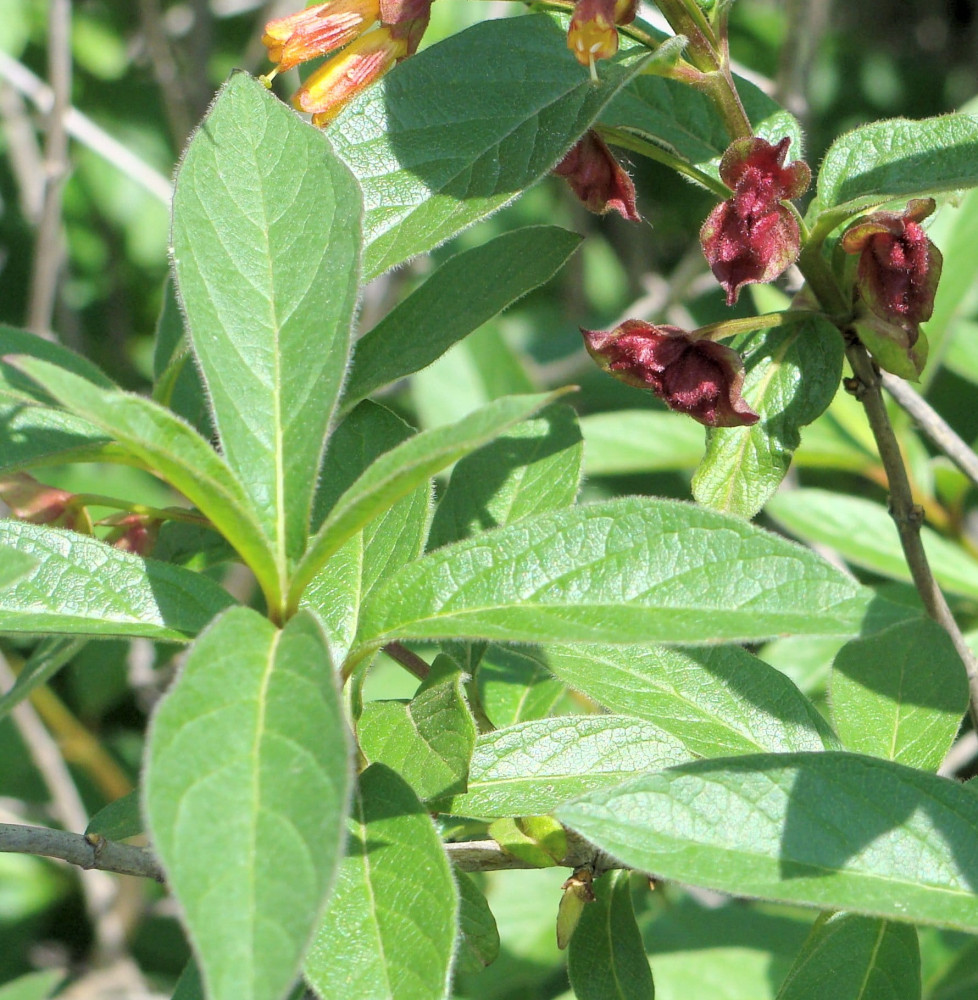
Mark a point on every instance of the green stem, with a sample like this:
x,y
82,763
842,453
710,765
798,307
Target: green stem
x,y
747,324
157,513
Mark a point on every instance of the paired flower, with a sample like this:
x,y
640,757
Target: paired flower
x,y
592,34
752,237
343,24
597,178
690,374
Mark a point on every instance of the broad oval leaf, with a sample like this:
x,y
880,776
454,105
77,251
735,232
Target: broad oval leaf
x,y
465,292
900,694
626,571
832,830
530,768
81,586
246,787
792,374
266,245
478,943
864,534
627,441
899,158
606,957
389,929
716,700
863,958
450,136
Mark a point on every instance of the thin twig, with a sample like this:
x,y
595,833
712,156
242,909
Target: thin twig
x,y
410,661
173,90
906,514
82,128
49,248
934,426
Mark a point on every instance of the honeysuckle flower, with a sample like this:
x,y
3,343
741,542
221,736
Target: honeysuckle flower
x,y
29,500
592,34
690,374
317,31
338,80
752,238
597,178
899,267
135,533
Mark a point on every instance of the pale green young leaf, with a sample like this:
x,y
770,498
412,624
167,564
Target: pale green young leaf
x,y
899,158
389,929
626,441
530,768
404,468
534,468
47,658
717,700
606,957
465,292
792,374
176,452
15,566
864,534
266,245
437,150
831,830
246,789
514,685
478,943
82,586
900,694
862,957
629,571
33,986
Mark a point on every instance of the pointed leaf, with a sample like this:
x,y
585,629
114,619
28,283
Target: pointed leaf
x,y
266,244
119,819
389,929
45,661
492,277
864,534
863,959
899,158
792,374
625,571
833,830
437,147
405,467
514,685
606,958
717,700
530,768
478,943
175,452
246,786
534,468
626,441
82,586
900,694
32,435
13,382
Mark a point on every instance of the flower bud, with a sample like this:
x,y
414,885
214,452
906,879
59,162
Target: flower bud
x,y
756,172
36,503
597,178
135,533
690,375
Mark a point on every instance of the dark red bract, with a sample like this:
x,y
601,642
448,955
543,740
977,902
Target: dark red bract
x,y
597,178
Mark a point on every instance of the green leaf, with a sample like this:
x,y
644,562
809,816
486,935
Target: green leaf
x,y
863,959
832,830
402,469
32,435
627,441
900,694
13,382
534,468
189,986
899,158
717,700
435,316
530,768
437,148
174,451
429,740
33,986
792,375
246,785
515,686
389,929
864,534
478,943
82,586
960,980
15,566
606,958
119,819
625,571
49,656
266,244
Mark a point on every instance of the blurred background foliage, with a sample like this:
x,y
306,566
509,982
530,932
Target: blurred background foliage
x,y
144,72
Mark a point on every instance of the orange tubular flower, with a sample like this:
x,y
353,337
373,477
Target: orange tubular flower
x,y
592,34
344,76
317,30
